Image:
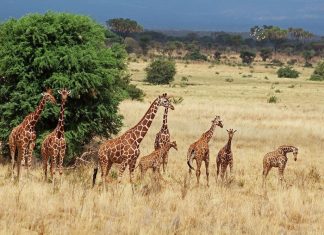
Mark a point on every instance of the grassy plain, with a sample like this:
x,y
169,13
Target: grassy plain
x,y
239,95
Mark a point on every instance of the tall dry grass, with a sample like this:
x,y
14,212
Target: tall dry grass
x,y
178,206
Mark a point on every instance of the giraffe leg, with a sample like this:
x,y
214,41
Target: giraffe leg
x,y
165,162
281,169
198,170
217,169
265,174
53,166
29,154
223,170
45,160
131,167
122,168
231,168
12,154
60,164
21,151
207,171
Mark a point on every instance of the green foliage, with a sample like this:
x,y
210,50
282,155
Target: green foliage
x,y
287,72
123,26
318,74
195,55
247,56
273,99
59,50
265,53
161,71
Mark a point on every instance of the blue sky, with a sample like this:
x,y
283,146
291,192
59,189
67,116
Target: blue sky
x,y
226,15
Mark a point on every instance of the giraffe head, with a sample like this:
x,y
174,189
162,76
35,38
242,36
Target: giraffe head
x,y
164,101
217,121
48,96
231,133
295,153
173,144
64,94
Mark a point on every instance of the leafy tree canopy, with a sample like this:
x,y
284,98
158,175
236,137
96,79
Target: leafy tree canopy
x,y
124,26
59,50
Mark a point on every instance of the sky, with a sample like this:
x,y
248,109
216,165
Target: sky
x,y
202,15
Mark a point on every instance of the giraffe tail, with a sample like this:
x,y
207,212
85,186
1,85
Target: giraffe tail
x,y
191,155
94,176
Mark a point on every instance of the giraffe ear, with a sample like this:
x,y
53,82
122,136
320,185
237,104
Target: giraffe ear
x,y
60,92
235,131
43,94
69,92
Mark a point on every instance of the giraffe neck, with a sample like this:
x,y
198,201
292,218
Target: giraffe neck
x,y
36,114
142,127
60,124
165,119
209,134
228,145
287,149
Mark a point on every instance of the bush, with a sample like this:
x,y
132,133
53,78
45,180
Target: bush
x,y
61,50
217,55
292,62
277,62
161,71
272,99
247,56
195,55
318,74
287,72
265,53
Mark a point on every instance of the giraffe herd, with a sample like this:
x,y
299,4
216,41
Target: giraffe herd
x,y
124,150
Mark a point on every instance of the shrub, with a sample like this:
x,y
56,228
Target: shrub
x,y
277,62
287,72
292,62
265,53
161,71
217,55
318,74
273,99
61,50
247,56
195,55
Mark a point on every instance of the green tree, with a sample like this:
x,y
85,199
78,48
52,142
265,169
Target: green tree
x,y
308,55
144,43
59,50
318,74
287,72
161,71
265,53
247,56
123,26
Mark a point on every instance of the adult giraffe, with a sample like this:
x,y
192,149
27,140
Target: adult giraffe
x,y
124,149
54,145
23,136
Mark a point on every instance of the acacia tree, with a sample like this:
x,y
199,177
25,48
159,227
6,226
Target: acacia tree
x,y
123,26
59,50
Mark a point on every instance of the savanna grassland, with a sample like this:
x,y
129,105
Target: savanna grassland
x,y
177,206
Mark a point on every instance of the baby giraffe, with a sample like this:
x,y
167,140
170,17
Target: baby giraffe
x,y
278,158
155,159
225,156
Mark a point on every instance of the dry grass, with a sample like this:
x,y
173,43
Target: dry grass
x,y
178,205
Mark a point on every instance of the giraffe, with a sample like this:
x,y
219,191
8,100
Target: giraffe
x,y
155,159
225,156
22,137
163,137
199,150
54,145
278,158
124,149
